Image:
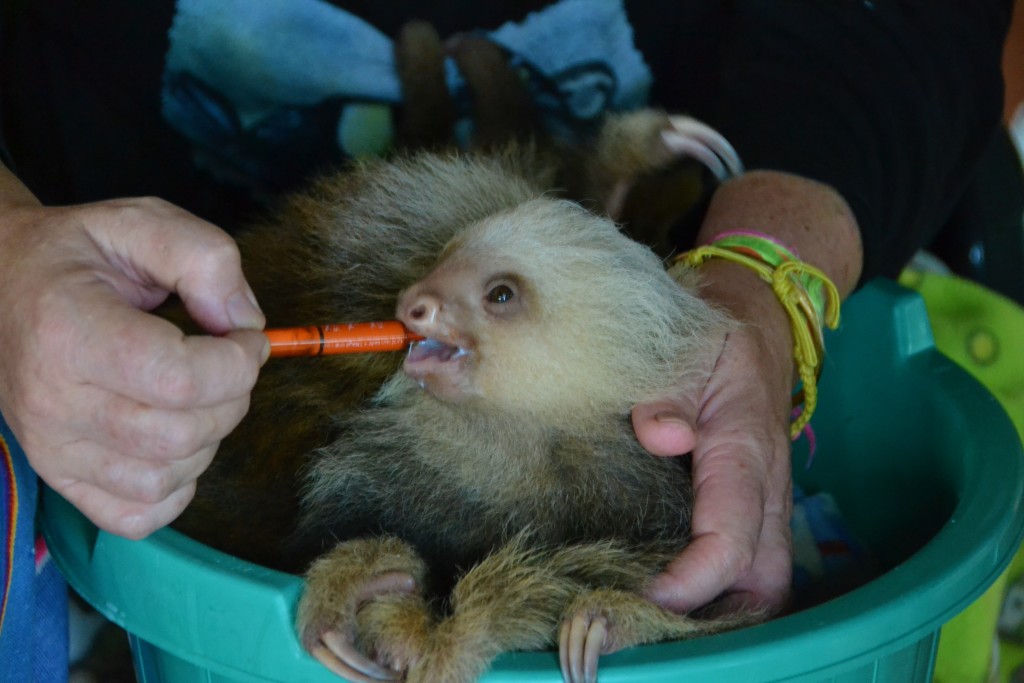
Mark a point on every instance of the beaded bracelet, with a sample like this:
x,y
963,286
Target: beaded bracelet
x,y
807,295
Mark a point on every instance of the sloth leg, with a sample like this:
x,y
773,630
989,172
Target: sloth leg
x,y
517,596
511,600
362,614
502,107
428,115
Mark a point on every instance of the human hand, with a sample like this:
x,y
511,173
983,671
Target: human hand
x,y
117,409
737,427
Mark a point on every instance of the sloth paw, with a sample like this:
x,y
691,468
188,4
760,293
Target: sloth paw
x,y
335,630
648,171
604,621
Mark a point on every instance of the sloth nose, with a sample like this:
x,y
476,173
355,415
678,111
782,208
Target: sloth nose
x,y
420,307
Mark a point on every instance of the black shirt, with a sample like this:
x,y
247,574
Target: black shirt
x,y
889,101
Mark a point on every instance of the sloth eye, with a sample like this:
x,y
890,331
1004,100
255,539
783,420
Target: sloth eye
x,y
501,294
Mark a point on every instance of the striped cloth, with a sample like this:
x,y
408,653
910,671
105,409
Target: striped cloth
x,y
33,595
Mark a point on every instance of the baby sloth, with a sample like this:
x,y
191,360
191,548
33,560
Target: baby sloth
x,y
502,454
487,494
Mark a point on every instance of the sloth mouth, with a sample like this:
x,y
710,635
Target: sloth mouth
x,y
440,369
433,349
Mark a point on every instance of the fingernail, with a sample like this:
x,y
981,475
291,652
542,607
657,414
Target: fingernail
x,y
672,418
244,312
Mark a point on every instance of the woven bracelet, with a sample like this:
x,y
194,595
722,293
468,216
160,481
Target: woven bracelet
x,y
807,295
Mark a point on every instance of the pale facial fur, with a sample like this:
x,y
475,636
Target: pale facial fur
x,y
535,307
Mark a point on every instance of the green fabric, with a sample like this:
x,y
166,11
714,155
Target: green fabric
x,y
984,333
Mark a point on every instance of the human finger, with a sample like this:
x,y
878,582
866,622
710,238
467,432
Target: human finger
x,y
664,428
128,427
741,540
155,434
766,586
154,242
727,520
150,360
130,519
124,477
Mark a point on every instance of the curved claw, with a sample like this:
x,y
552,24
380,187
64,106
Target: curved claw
x,y
566,636
581,641
689,137
338,654
337,651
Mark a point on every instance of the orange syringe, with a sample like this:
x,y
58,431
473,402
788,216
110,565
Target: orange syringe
x,y
325,340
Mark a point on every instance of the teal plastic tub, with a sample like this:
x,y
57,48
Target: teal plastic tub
x,y
925,466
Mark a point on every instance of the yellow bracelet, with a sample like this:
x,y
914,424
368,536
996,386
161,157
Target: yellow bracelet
x,y
785,280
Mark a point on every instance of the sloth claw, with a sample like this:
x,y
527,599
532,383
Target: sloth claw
x,y
688,137
338,654
581,643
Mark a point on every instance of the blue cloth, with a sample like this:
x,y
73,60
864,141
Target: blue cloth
x,y
828,560
33,595
264,90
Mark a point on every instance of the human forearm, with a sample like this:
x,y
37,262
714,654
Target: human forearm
x,y
807,216
13,192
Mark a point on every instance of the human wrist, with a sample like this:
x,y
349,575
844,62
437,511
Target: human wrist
x,y
808,217
762,336
806,294
794,235
743,295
